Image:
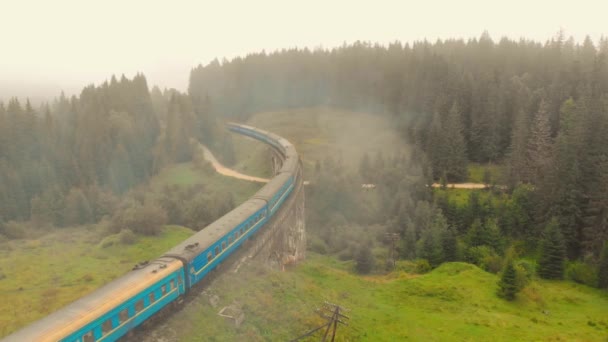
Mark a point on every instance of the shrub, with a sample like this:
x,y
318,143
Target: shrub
x,y
581,273
317,245
14,230
422,266
145,219
524,271
364,260
492,263
127,237
484,257
406,266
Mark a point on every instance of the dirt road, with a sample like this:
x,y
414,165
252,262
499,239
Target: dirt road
x,y
462,185
221,169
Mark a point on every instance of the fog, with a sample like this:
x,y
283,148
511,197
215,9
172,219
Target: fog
x,y
64,45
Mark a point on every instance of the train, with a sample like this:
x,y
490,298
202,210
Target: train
x,y
115,309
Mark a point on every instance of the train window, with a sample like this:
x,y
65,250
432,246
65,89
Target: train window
x,y
163,289
88,337
123,316
209,257
139,306
223,245
230,240
106,327
151,297
217,250
172,284
179,280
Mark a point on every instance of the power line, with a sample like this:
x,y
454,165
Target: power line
x,y
331,312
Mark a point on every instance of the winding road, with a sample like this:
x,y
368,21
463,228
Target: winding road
x,y
221,169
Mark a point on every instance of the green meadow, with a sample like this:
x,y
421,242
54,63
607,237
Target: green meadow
x,y
455,302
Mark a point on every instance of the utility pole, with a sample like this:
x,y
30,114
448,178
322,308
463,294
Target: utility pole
x,y
331,312
393,238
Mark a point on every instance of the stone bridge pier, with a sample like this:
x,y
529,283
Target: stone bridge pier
x,y
282,242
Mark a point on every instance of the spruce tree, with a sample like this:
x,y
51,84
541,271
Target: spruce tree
x,y
552,252
507,285
456,151
408,244
450,245
602,271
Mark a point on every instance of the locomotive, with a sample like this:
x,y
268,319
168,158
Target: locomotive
x,y
123,304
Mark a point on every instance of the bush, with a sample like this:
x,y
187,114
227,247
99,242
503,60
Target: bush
x,y
406,266
14,230
146,219
492,263
524,272
422,266
484,257
127,237
364,260
317,245
581,273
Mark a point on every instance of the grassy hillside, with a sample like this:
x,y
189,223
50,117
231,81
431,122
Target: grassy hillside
x,y
38,276
186,174
319,132
41,275
455,302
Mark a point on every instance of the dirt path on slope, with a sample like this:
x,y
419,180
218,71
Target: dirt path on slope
x,y
222,170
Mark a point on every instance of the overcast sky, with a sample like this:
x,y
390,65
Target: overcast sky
x,y
67,44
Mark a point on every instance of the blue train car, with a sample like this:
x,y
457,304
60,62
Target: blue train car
x,y
116,308
205,250
113,310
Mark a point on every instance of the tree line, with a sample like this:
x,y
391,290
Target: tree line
x,y
540,109
69,161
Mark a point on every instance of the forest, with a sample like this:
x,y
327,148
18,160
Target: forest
x,y
538,110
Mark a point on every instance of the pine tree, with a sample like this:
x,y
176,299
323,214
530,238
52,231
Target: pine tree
x,y
539,144
552,252
456,153
602,270
408,243
507,285
450,245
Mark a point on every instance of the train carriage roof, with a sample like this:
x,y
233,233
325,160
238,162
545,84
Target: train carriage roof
x,y
271,188
197,243
65,321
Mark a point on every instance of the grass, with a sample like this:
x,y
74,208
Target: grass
x,y
42,275
454,302
186,174
318,132
461,196
477,171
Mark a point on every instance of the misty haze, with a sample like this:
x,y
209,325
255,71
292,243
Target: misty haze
x,y
303,172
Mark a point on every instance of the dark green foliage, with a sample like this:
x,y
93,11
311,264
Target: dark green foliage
x,y
487,234
364,260
147,218
507,285
602,270
552,253
408,242
450,245
432,244
422,266
582,273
